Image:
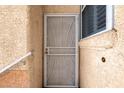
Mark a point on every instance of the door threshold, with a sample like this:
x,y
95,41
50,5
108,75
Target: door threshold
x,y
59,86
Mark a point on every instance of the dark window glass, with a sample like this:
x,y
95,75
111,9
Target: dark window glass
x,y
93,19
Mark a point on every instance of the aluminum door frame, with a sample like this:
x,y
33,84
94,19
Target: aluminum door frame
x,y
76,15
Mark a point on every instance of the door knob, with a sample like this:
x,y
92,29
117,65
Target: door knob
x,y
46,51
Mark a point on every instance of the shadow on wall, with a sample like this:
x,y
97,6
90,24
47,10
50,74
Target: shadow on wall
x,y
35,38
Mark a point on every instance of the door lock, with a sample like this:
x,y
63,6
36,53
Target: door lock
x,y
46,51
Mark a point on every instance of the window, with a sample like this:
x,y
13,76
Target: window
x,y
96,19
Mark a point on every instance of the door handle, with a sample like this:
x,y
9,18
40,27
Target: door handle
x,y
46,51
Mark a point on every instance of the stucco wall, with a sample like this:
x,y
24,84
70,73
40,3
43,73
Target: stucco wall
x,y
94,72
13,45
21,32
35,38
61,9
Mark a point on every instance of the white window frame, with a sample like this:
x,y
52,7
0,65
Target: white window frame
x,y
109,21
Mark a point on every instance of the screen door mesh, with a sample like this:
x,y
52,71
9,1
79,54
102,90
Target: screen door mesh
x,y
60,45
60,31
61,70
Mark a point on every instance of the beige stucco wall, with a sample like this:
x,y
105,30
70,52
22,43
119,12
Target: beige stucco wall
x,y
61,9
13,37
21,32
35,38
13,45
95,73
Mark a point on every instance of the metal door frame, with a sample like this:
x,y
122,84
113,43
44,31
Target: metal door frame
x,y
76,15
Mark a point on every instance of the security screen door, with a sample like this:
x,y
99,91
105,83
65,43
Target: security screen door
x,y
61,50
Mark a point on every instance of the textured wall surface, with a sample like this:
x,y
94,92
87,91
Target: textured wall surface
x,y
95,73
13,37
35,40
13,45
15,79
61,9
